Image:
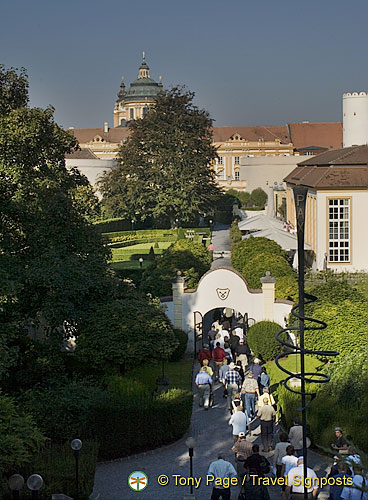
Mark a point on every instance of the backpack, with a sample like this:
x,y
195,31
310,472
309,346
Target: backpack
x,y
264,465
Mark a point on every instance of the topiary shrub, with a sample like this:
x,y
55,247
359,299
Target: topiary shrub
x,y
235,233
179,352
251,247
287,288
257,267
262,341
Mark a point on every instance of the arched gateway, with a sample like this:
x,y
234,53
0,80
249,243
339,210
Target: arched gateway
x,y
223,287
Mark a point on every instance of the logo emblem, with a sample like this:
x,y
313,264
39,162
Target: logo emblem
x,y
223,293
137,480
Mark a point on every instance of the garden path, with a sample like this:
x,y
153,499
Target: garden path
x,y
222,242
212,434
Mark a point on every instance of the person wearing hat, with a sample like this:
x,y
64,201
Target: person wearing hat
x,y
240,423
249,392
232,383
256,369
242,449
341,444
297,486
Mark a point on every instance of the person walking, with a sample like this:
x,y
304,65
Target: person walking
x,y
264,380
241,354
211,337
232,382
237,401
267,416
204,353
339,480
204,382
242,449
256,368
223,371
206,368
240,423
253,488
266,395
288,461
250,391
296,487
257,462
280,452
296,437
358,490
221,470
234,342
218,356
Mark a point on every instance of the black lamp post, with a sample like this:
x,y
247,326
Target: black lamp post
x,y
16,483
140,262
76,445
35,483
132,221
190,443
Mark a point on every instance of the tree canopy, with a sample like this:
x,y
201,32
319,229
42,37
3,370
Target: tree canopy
x,y
53,264
164,170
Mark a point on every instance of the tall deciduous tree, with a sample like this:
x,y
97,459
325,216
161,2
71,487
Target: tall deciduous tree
x,y
52,261
164,170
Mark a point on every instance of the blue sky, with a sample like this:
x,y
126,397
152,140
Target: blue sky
x,y
249,63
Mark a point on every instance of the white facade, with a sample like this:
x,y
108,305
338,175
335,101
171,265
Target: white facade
x,y
264,171
355,119
93,169
356,221
225,287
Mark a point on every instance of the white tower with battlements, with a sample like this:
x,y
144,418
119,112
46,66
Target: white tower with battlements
x,y
355,118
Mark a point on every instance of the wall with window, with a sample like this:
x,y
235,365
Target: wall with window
x,y
341,229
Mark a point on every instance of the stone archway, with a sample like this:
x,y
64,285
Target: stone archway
x,y
224,287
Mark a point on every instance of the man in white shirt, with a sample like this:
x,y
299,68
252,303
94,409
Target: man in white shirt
x,y
360,483
224,470
239,332
240,422
295,482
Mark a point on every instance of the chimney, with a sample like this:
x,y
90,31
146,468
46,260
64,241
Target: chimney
x,y
106,127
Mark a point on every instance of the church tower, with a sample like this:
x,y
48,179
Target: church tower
x,y
134,103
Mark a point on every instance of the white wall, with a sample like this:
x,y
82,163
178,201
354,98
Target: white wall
x,y
92,168
358,230
206,298
263,171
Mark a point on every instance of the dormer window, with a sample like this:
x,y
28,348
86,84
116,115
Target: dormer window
x,y
97,138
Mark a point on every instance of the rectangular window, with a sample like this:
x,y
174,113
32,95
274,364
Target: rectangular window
x,y
220,160
132,114
339,230
237,175
237,160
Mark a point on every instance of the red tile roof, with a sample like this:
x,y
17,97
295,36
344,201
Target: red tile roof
x,y
325,135
223,134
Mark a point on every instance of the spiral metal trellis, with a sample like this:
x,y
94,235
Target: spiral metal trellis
x,y
300,198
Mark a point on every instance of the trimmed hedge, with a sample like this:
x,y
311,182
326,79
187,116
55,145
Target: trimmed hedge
x,y
144,233
235,233
108,225
251,247
126,426
179,352
257,267
261,339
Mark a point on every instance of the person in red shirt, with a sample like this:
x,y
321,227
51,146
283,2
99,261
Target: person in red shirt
x,y
204,353
218,355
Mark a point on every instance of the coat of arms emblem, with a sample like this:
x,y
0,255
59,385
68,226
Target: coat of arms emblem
x,y
223,293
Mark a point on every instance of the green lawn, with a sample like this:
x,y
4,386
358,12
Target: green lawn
x,y
179,372
126,253
291,363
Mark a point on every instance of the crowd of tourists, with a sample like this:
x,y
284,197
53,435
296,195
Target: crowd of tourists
x,y
228,362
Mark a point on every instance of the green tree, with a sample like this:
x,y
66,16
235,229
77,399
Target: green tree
x,y
258,197
125,332
257,267
164,169
52,262
250,247
262,340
